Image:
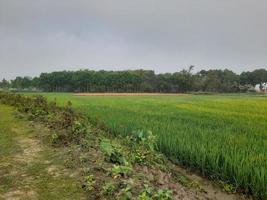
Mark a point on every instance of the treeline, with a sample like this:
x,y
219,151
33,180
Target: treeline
x,y
141,81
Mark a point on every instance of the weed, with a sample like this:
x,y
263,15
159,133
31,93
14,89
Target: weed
x,y
89,182
113,154
109,188
148,193
229,188
54,138
120,171
125,193
164,194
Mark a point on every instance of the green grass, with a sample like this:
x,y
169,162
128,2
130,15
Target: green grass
x,y
224,136
7,144
29,178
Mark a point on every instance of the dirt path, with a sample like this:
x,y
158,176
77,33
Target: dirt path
x,y
29,169
127,94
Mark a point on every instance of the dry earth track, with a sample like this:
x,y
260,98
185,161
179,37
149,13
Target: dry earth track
x,y
128,94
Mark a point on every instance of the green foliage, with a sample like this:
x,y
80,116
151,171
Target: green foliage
x,y
228,188
4,84
113,154
143,145
54,138
125,193
164,194
120,171
109,188
146,194
145,138
79,128
149,193
139,156
89,182
61,119
140,81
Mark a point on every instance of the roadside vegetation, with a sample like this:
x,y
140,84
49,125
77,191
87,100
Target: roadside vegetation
x,y
221,136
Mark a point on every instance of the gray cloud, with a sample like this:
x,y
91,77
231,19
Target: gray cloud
x,y
45,35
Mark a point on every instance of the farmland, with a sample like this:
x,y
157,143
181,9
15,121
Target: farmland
x,y
222,136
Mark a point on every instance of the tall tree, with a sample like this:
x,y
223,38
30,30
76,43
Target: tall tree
x,y
4,84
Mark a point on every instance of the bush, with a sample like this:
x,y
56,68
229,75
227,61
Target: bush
x,y
63,120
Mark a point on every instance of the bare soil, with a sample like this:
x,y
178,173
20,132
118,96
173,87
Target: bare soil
x,y
127,94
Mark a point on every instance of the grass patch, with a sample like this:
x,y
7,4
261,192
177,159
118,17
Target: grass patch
x,y
26,173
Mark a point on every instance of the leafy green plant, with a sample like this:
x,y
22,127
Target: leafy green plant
x,y
55,138
109,188
229,188
125,193
120,170
89,182
164,194
113,154
79,128
140,156
146,194
145,138
143,145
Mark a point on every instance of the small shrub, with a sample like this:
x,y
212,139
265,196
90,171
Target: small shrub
x,y
112,154
146,194
109,188
140,156
164,194
229,188
89,182
55,138
119,170
149,193
79,128
145,138
125,193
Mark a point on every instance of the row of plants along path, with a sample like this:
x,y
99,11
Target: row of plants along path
x,y
120,168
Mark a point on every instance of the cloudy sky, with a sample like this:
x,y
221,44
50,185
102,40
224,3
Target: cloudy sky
x,y
47,35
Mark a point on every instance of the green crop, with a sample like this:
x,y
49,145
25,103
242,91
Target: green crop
x,y
223,136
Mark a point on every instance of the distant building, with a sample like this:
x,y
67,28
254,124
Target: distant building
x,y
264,89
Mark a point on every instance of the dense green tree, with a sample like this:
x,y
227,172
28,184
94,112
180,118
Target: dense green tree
x,y
22,82
143,81
4,84
258,76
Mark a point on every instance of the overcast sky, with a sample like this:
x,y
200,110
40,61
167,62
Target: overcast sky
x,y
164,35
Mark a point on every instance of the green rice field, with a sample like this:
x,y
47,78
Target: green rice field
x,y
223,136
